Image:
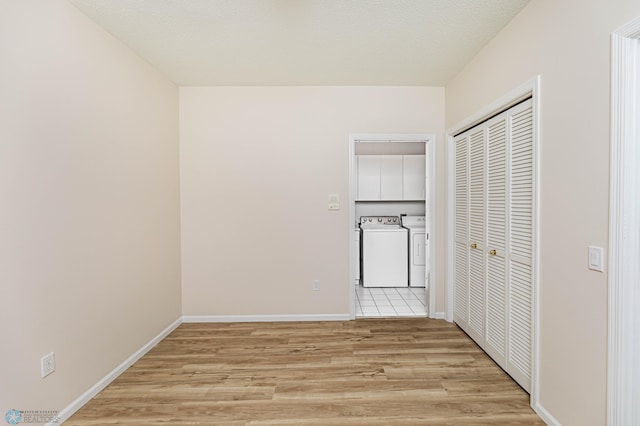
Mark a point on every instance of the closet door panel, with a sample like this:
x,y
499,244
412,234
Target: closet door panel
x,y
520,345
496,336
461,296
461,234
497,221
520,327
477,235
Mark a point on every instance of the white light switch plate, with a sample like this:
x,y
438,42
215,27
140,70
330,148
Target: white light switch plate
x,y
596,258
334,202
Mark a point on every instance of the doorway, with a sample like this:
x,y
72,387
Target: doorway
x,y
408,301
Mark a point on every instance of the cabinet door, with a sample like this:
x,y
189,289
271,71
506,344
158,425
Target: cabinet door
x,y
368,178
461,233
391,177
477,249
497,298
413,177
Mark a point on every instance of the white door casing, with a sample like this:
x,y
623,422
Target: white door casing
x,y
623,369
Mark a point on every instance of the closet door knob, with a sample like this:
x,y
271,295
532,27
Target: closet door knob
x,y
493,252
474,245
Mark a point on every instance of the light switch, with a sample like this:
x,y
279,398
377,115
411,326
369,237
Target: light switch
x,y
596,258
334,202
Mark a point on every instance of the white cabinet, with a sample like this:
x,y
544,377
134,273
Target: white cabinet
x,y
390,177
493,238
379,177
368,178
413,177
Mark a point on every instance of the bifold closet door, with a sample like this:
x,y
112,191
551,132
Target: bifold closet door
x,y
493,238
477,242
461,233
496,335
521,205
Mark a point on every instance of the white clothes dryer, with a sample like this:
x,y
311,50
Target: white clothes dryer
x,y
418,250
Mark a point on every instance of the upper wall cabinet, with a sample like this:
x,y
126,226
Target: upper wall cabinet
x,y
413,177
391,177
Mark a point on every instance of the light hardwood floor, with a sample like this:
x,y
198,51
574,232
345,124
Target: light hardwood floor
x,y
364,372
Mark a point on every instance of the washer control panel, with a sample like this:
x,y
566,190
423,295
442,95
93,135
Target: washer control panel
x,y
366,221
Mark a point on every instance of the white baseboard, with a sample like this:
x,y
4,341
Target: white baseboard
x,y
265,318
439,315
70,409
546,416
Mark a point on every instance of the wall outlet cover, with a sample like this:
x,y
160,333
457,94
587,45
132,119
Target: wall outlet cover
x,y
47,364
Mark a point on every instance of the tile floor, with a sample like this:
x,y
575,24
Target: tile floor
x,y
390,302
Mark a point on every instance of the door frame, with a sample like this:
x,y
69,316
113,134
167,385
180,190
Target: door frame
x,y
430,149
530,88
623,371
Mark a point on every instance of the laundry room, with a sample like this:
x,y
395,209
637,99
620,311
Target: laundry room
x,y
391,188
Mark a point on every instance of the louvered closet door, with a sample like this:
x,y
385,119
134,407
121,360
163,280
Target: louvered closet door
x,y
496,186
477,245
520,346
461,234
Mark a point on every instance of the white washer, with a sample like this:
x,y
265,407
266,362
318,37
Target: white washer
x,y
418,249
384,252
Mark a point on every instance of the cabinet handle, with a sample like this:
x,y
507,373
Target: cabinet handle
x,y
493,252
474,245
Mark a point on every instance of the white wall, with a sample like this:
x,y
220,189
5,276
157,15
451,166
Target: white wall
x,y
568,44
89,217
273,154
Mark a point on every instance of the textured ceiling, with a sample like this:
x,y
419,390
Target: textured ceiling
x,y
304,42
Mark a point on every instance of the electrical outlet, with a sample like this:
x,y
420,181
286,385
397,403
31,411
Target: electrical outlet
x,y
47,364
316,285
